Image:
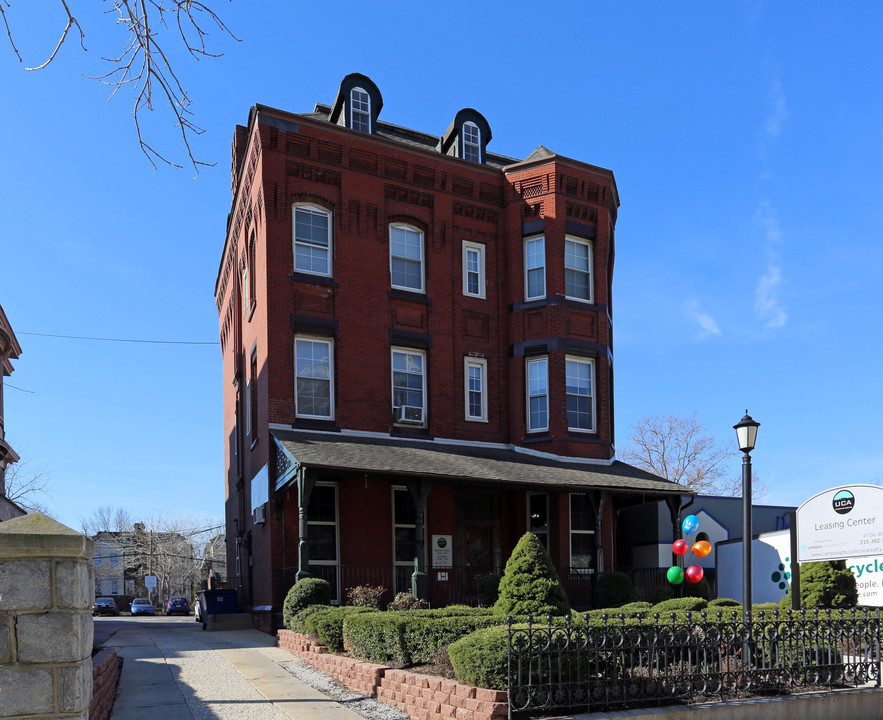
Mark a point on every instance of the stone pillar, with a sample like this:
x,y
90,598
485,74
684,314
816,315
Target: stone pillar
x,y
45,619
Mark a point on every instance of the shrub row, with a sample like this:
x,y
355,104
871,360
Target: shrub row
x,y
402,638
326,624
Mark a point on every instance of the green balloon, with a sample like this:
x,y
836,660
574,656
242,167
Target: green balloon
x,y
675,575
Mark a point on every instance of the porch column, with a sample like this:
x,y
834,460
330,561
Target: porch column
x,y
419,491
674,510
305,483
600,501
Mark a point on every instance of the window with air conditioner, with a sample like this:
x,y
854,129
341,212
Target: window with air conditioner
x,y
409,387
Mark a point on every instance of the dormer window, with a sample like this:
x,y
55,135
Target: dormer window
x,y
471,142
360,110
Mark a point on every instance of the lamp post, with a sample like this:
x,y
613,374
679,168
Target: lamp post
x,y
746,432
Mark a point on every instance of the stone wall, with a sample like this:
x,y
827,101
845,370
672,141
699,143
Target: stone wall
x,y
45,619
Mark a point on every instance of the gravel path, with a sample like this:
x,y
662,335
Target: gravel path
x,y
365,706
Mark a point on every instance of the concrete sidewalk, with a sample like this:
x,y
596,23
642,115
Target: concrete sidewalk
x,y
180,672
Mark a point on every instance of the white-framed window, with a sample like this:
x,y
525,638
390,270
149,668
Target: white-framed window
x,y
406,257
114,560
246,291
114,587
323,535
475,374
473,269
580,390
314,377
404,535
360,110
535,268
409,387
538,516
582,531
312,239
471,142
251,396
537,394
578,269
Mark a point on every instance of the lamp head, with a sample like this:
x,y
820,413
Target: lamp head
x,y
746,432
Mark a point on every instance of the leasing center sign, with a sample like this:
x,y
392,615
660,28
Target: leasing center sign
x,y
844,522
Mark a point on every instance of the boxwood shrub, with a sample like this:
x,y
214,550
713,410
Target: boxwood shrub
x,y
296,623
679,604
305,592
479,659
327,625
724,602
403,638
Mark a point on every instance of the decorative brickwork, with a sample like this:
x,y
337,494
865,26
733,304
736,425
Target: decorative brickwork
x,y
106,669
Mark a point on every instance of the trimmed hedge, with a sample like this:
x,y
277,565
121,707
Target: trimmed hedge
x,y
724,602
480,659
683,604
327,625
297,621
305,592
614,589
403,638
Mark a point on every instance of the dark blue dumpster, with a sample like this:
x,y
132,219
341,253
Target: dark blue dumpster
x,y
218,601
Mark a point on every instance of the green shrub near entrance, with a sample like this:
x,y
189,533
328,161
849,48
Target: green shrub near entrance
x,y
613,589
305,592
530,584
827,584
327,625
480,659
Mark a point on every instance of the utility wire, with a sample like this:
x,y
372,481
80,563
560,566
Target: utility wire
x,y
32,392
122,340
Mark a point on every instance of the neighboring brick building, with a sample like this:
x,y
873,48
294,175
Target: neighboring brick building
x,y
417,349
9,351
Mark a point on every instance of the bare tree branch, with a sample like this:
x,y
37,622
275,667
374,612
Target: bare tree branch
x,y
680,450
145,62
28,488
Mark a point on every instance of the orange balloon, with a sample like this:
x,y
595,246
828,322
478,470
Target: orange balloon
x,y
701,548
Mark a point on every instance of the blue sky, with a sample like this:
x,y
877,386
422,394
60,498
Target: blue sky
x,y
746,142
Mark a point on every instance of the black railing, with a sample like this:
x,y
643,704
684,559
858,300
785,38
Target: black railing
x,y
615,663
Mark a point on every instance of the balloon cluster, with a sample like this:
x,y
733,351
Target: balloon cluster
x,y
692,574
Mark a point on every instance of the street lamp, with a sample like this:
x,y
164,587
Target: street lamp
x,y
746,432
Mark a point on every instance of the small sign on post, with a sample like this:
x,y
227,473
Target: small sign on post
x,y
150,582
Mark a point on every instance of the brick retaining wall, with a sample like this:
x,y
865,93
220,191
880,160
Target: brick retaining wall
x,y
422,697
106,667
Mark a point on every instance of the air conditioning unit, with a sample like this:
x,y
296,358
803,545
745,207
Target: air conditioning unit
x,y
258,516
409,414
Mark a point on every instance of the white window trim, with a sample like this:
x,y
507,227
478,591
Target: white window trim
x,y
480,249
360,112
482,364
527,240
412,228
531,361
336,562
465,144
395,525
295,243
408,351
572,531
330,343
591,274
591,363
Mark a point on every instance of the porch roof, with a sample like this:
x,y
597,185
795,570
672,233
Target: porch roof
x,y
434,460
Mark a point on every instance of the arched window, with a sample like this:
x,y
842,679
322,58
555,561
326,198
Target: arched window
x,y
471,142
360,110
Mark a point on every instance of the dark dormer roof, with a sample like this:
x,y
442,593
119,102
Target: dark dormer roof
x,y
339,115
455,130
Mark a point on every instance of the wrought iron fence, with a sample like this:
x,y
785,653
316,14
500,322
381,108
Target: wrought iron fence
x,y
606,663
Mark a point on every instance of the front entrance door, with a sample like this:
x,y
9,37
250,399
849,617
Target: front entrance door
x,y
478,541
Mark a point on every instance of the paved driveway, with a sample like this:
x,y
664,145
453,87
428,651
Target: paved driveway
x,y
173,670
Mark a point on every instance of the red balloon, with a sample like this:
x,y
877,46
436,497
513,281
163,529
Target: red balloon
x,y
701,548
693,574
679,547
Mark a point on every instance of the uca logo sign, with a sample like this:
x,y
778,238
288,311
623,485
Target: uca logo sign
x,y
843,502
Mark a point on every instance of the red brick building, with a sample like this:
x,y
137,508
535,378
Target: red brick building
x,y
418,356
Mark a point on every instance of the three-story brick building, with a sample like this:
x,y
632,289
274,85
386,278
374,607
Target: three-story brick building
x,y
418,356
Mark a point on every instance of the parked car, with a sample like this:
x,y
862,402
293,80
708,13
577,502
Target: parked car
x,y
105,606
178,605
142,606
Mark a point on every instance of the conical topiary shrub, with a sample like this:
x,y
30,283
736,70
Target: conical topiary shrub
x,y
530,585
